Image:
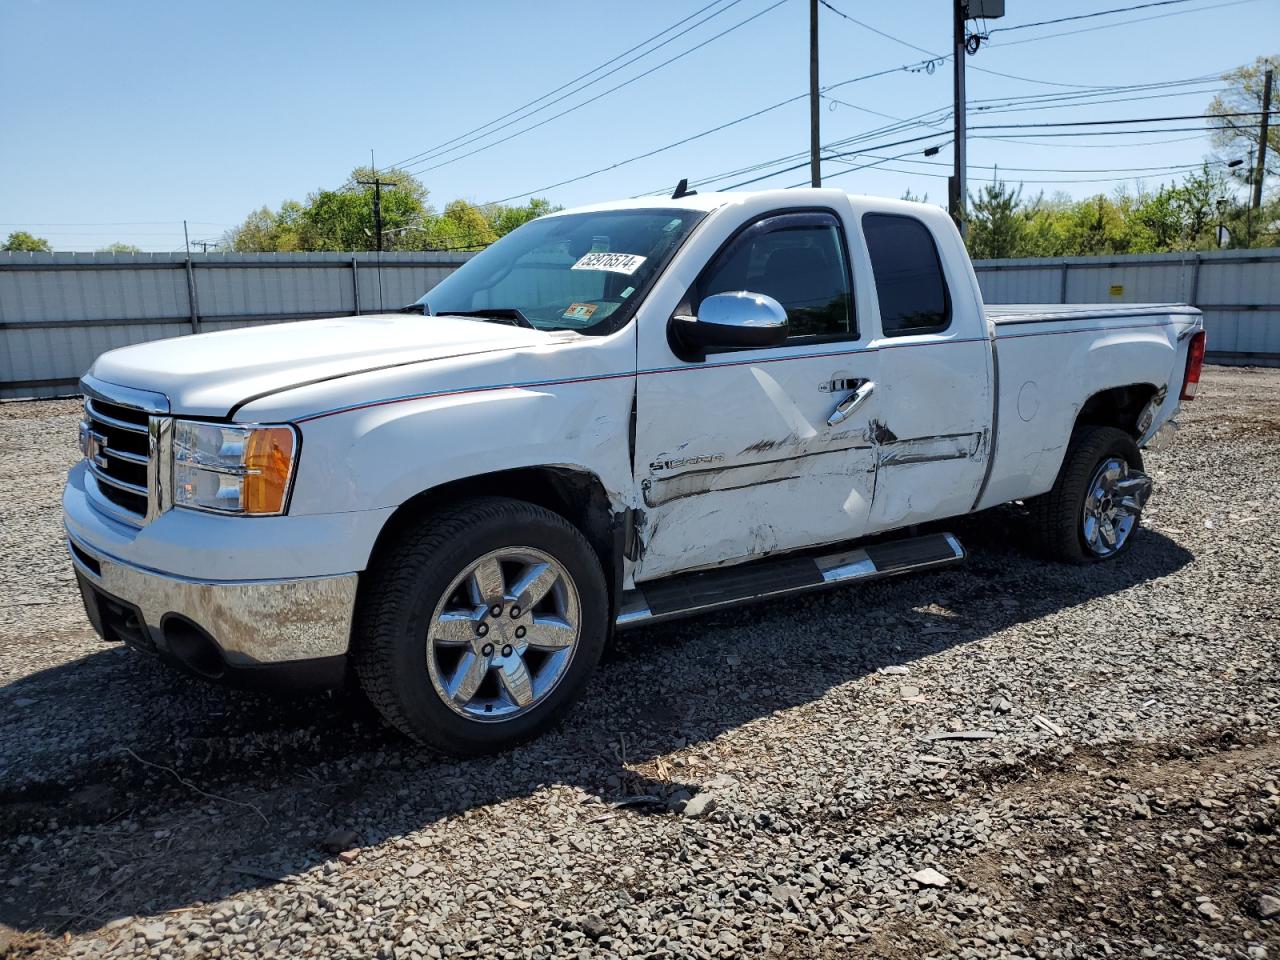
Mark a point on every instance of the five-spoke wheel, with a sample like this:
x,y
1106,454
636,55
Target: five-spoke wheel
x,y
1094,508
504,633
480,624
1112,506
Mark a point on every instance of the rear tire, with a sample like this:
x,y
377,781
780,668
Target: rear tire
x,y
1065,527
444,648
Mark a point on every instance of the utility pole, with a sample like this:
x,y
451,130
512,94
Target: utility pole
x,y
1248,212
377,185
815,163
959,15
1260,170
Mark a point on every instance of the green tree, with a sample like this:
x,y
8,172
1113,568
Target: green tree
x,y
268,231
461,226
1246,227
343,219
22,242
1235,136
1159,216
997,223
339,220
119,247
503,219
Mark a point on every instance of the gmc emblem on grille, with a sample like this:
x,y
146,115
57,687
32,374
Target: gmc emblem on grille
x,y
93,445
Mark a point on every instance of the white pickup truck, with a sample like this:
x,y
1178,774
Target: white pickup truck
x,y
614,415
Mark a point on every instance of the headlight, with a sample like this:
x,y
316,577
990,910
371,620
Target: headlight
x,y
232,469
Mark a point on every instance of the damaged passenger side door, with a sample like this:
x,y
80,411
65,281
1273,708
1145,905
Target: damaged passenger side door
x,y
743,452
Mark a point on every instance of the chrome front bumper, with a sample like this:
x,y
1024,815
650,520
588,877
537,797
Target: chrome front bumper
x,y
251,622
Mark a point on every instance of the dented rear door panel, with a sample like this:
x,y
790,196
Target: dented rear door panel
x,y
935,440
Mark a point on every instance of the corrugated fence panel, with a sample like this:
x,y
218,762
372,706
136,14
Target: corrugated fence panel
x,y
59,311
1238,290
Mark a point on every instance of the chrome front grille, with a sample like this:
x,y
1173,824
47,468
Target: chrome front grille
x,y
121,437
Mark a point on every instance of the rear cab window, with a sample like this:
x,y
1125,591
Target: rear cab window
x,y
910,284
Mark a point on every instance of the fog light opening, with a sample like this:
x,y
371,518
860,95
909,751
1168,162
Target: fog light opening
x,y
192,647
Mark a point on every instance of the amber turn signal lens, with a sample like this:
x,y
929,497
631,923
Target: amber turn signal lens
x,y
268,458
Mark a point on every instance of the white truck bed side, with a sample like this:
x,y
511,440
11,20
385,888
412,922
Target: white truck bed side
x,y
1051,358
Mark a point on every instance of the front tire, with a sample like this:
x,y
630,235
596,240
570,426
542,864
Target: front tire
x,y
480,625
1087,516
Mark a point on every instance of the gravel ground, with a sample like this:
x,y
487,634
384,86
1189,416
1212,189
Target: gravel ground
x,y
779,781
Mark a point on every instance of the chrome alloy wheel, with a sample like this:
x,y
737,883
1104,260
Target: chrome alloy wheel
x,y
504,634
1112,506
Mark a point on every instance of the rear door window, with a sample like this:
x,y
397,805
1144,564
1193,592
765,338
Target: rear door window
x,y
910,284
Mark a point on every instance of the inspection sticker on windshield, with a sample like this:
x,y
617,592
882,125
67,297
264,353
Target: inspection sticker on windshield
x,y
579,311
627,263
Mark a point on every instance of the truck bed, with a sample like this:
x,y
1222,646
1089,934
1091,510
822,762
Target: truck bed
x,y
1008,316
1050,357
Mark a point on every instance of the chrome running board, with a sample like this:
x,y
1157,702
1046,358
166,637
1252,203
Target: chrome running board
x,y
692,593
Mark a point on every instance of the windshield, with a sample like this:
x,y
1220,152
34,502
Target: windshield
x,y
577,271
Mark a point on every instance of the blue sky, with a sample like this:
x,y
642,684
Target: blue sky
x,y
118,120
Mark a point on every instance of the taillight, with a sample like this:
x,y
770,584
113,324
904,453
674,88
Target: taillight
x,y
1195,360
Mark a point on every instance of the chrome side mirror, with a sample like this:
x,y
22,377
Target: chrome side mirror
x,y
729,321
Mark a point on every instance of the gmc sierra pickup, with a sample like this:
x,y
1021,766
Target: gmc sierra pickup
x,y
614,415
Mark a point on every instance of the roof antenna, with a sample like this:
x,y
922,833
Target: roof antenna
x,y
682,189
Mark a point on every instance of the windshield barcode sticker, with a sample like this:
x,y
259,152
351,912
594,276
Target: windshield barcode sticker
x,y
627,263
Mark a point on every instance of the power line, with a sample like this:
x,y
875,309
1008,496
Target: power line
x,y
1088,94
942,58
896,143
595,69
1161,168
435,152
1099,146
1022,108
1097,123
998,126
1087,16
1122,23
570,83
643,156
1107,133
711,130
108,223
579,106
925,119
918,139
1180,168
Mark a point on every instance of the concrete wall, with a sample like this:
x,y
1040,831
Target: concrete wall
x,y
1238,290
58,311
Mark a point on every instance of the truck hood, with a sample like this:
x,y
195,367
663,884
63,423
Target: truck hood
x,y
209,374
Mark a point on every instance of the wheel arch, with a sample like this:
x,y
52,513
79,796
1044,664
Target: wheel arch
x,y
578,495
1119,407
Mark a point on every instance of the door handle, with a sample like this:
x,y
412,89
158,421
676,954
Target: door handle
x,y
850,403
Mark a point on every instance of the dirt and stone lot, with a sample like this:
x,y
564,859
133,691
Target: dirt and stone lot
x,y
779,781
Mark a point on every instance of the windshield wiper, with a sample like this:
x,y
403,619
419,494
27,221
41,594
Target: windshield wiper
x,y
513,315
